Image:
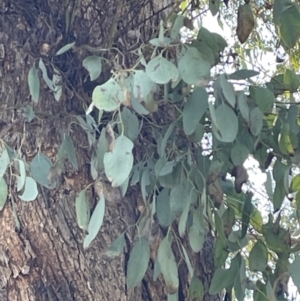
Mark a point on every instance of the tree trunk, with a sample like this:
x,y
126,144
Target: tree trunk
x,y
41,245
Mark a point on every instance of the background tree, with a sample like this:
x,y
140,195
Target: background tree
x,y
125,129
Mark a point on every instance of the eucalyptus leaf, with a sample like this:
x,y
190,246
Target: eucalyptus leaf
x,y
30,190
168,265
95,222
82,210
93,64
194,110
119,162
40,168
108,96
3,193
34,83
161,71
193,67
138,263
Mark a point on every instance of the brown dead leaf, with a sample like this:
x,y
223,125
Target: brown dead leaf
x,y
246,22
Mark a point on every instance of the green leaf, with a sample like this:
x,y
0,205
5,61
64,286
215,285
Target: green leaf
x,y
3,193
243,106
30,191
284,140
117,246
178,197
260,293
197,232
167,135
240,281
220,252
4,161
263,97
243,74
119,162
168,266
226,128
142,85
291,80
183,218
46,78
239,153
178,24
256,121
194,109
69,150
93,64
95,222
108,96
167,168
34,83
22,171
289,19
295,185
196,289
130,124
163,209
187,261
228,91
214,6
279,195
294,272
193,67
40,168
138,263
29,112
65,48
220,281
102,147
161,71
82,210
258,257
246,213
219,227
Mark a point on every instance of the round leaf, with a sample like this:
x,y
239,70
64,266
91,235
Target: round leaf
x,y
119,162
30,190
93,65
161,71
193,67
226,128
108,96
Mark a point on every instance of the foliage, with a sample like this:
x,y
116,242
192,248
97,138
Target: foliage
x,y
182,94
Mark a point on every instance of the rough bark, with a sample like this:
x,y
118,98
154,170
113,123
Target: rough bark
x,y
43,258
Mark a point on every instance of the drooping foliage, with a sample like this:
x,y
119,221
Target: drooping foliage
x,y
181,126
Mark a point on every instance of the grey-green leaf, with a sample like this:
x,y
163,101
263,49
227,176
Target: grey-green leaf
x,y
194,110
93,64
117,246
3,193
95,222
34,83
40,168
138,263
82,210
30,191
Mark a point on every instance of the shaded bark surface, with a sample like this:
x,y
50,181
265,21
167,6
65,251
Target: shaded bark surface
x,y
43,259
